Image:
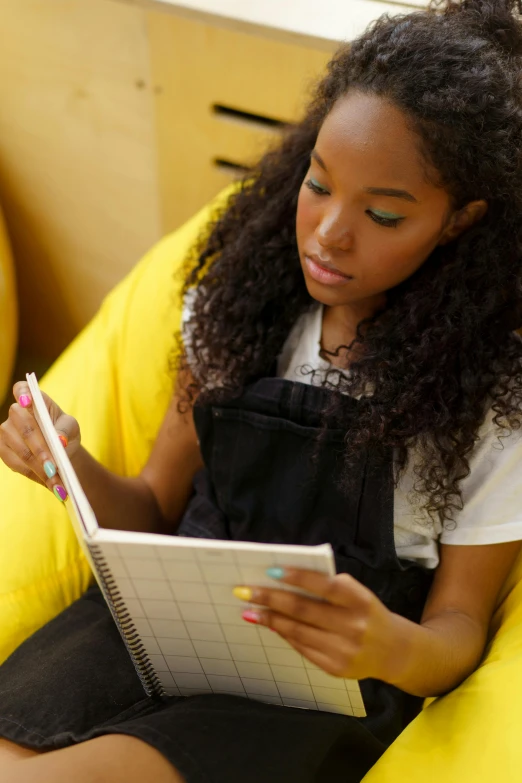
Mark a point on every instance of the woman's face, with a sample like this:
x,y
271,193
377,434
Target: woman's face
x,y
356,243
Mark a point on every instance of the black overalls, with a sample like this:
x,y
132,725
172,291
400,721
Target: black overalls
x,y
266,480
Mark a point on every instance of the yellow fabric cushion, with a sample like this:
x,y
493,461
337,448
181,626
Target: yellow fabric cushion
x,y
114,378
472,733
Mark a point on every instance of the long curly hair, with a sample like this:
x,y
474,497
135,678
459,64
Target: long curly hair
x,y
445,347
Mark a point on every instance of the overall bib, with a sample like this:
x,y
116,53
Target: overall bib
x,y
265,479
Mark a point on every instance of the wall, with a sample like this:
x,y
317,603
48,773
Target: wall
x,y
77,157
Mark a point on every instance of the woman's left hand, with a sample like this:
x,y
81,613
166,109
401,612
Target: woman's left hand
x,y
348,632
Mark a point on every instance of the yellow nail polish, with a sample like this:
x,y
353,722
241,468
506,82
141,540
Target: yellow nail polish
x,y
244,593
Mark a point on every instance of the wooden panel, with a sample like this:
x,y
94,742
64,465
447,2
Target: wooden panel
x,y
77,162
238,140
197,66
8,312
300,22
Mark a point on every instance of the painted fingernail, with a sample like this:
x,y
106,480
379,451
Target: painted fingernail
x,y
63,440
244,593
49,468
24,400
275,573
251,617
60,492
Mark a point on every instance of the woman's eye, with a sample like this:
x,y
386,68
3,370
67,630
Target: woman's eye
x,y
381,221
315,187
389,222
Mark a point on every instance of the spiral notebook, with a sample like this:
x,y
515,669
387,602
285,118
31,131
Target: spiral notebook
x,y
171,599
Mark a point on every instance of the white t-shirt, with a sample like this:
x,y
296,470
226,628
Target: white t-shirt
x,y
491,494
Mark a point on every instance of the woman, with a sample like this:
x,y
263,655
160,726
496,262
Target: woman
x,y
347,364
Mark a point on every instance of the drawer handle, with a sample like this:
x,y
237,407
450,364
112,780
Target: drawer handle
x,y
229,167
247,116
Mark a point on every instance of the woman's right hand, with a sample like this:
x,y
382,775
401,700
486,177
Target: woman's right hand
x,y
22,444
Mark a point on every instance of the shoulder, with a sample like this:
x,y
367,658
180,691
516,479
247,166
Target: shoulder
x,y
492,492
491,509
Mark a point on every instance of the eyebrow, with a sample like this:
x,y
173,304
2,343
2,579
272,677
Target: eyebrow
x,y
375,191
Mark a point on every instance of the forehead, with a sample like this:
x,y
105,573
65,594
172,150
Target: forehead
x,y
366,133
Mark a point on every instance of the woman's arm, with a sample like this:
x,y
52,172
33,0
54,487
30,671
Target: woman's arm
x,y
350,633
435,656
155,500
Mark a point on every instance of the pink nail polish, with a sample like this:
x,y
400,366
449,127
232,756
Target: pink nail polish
x,y
60,492
24,400
251,617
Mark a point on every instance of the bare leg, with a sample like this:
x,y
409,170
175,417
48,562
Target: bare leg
x,y
112,758
9,751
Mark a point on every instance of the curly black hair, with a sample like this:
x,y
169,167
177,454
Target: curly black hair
x,y
445,347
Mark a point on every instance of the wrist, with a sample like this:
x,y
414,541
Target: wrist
x,y
397,650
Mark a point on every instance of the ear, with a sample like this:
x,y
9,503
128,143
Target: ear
x,y
462,219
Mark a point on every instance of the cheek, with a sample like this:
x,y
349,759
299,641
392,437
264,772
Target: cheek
x,y
389,268
398,253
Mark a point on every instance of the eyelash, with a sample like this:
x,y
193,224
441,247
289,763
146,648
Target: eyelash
x,y
386,222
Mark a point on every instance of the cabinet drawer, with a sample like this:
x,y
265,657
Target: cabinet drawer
x,y
221,97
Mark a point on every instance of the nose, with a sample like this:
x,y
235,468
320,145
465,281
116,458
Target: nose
x,y
333,231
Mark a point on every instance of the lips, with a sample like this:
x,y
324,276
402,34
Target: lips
x,y
325,272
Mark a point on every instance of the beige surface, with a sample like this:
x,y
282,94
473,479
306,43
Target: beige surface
x,y
302,22
197,66
77,159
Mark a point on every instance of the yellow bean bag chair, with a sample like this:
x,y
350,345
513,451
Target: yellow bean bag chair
x,y
114,378
8,312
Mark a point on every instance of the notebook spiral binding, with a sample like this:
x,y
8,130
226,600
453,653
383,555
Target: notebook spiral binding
x,y
130,635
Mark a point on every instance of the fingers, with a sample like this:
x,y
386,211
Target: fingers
x,y
339,604
331,652
66,426
299,608
22,395
13,461
328,656
23,447
68,430
340,590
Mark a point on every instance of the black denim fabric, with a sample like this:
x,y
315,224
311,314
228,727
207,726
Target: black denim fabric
x,y
265,480
73,680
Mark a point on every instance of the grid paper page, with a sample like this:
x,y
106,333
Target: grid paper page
x,y
181,603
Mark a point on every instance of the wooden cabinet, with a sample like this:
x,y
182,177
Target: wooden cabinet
x,y
120,118
221,97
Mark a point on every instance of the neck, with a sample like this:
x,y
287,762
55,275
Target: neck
x,y
345,318
340,328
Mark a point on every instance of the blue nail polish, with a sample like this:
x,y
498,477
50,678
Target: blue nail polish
x,y
49,468
275,573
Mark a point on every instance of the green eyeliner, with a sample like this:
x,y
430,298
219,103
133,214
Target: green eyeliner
x,y
388,215
376,212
